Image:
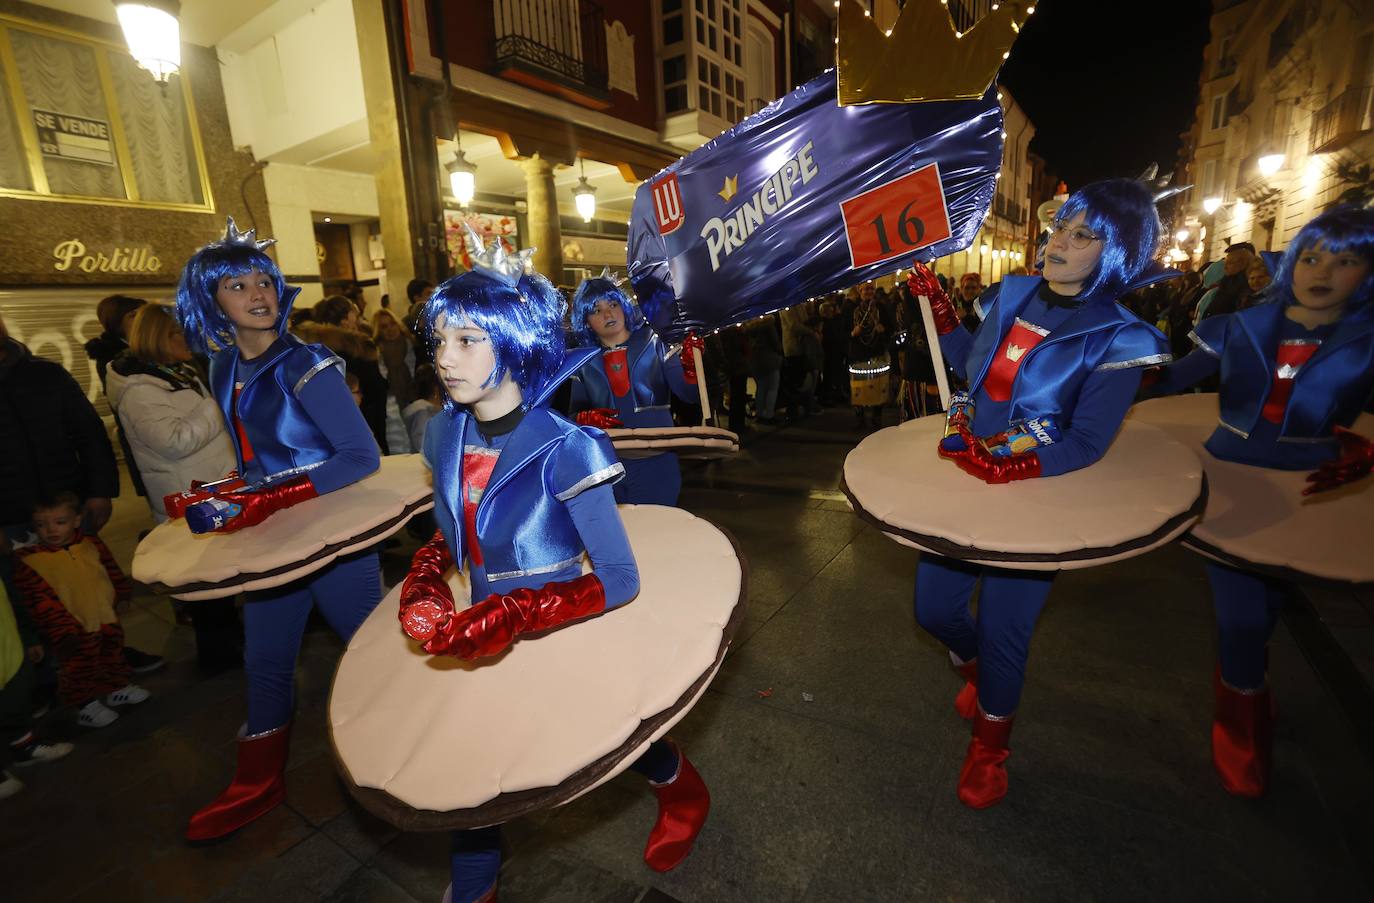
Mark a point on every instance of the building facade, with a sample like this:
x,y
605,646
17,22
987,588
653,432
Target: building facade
x,y
1284,119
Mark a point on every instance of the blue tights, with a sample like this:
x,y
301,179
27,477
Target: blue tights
x,y
1009,604
476,858
1247,607
274,620
650,481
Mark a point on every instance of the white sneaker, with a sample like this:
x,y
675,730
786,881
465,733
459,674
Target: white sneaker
x,y
44,752
133,694
10,785
96,714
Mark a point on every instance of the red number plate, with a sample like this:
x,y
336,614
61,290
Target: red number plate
x,y
895,219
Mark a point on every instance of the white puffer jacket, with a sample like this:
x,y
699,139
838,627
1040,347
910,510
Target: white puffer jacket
x,y
177,433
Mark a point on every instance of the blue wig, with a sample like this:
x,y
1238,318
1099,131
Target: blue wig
x,y
524,323
1338,231
207,328
589,293
1122,213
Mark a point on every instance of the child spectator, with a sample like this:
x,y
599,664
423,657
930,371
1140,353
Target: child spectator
x,y
20,650
71,585
429,398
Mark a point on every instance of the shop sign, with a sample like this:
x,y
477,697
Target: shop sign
x,y
74,137
72,255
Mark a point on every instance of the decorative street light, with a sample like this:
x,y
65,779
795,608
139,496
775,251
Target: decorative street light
x,y
1211,205
462,175
584,195
153,34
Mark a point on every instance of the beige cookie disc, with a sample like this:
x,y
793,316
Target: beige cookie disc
x,y
697,442
292,543
430,743
1257,517
1146,490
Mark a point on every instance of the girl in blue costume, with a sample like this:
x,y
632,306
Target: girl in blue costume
x,y
295,425
1296,371
520,494
627,384
1056,347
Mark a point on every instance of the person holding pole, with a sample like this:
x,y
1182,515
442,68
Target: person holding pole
x,y
1052,369
629,384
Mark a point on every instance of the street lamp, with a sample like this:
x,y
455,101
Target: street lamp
x,y
1181,235
153,34
1269,164
462,175
584,195
1211,205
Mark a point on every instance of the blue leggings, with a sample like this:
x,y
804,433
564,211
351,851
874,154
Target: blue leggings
x,y
1247,607
650,481
1009,604
274,620
476,857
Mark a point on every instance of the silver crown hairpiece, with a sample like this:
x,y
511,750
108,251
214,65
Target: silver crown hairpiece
x,y
613,278
249,239
1160,187
494,261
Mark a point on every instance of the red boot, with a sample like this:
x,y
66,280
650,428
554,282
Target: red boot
x,y
983,779
682,806
1243,739
258,786
966,703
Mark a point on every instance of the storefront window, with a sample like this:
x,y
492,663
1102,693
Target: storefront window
x,y
79,121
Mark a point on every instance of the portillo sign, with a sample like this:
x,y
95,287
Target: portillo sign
x,y
71,255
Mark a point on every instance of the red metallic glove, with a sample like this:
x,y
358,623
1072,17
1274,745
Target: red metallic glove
x,y
923,282
263,503
601,418
490,626
1354,462
426,600
176,504
990,468
689,360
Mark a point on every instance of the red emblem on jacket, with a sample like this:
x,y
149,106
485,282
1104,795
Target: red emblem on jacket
x,y
1021,338
617,371
1287,363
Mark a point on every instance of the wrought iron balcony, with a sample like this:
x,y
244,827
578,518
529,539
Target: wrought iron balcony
x,y
557,45
1343,119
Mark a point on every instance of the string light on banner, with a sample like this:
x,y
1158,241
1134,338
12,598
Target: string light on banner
x,y
153,33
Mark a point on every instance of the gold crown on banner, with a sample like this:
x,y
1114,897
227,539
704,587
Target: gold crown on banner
x,y
924,57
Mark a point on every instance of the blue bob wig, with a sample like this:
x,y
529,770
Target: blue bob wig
x,y
524,323
207,328
589,294
1122,213
1338,231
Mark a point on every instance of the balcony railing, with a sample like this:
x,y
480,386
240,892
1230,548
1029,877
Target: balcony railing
x,y
561,40
1342,120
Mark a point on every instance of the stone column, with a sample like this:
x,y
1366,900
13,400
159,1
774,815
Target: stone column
x,y
542,217
389,147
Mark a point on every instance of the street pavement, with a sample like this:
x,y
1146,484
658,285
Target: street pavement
x,y
828,739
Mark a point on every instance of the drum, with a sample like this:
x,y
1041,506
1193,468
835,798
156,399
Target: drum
x,y
291,544
432,743
690,442
1257,518
868,382
1147,490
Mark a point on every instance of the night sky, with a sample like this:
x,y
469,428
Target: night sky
x,y
1108,86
